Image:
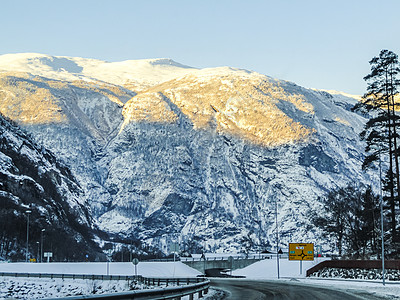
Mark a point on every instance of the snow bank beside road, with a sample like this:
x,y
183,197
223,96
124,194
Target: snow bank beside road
x,y
391,290
37,288
267,269
146,269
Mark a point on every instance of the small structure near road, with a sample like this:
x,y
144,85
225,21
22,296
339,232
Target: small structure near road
x,y
221,272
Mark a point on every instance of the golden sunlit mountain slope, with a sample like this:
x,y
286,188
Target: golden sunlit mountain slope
x,y
235,102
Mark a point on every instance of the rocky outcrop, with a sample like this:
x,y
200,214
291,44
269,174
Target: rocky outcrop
x,y
33,179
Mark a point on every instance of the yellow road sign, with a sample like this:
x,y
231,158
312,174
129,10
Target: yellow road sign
x,y
301,251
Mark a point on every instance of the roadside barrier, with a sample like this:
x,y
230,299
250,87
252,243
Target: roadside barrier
x,y
174,288
175,292
73,276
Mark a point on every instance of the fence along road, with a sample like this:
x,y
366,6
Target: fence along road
x,y
181,286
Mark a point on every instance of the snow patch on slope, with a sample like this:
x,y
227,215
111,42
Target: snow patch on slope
x,y
145,71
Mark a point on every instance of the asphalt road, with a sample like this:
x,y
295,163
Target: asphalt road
x,y
257,290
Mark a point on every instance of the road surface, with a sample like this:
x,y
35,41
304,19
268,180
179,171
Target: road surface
x,y
256,290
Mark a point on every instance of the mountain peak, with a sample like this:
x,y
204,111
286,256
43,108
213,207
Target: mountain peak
x,y
143,71
166,62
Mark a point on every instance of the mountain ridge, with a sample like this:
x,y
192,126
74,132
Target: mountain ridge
x,y
32,179
199,156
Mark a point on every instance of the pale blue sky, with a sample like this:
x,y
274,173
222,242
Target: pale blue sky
x,y
320,44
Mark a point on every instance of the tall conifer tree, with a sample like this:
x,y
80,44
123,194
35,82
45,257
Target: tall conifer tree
x,y
380,132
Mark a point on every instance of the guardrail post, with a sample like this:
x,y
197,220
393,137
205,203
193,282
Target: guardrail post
x,y
191,297
200,294
167,281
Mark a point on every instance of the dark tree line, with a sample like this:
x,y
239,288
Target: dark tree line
x,y
351,218
352,214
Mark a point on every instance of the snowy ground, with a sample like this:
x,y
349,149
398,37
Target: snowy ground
x,y
267,269
146,269
34,288
37,288
290,270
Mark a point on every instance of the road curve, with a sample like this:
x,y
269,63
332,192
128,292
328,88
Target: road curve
x,y
286,290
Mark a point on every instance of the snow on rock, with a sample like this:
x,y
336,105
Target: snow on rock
x,y
168,152
370,274
31,178
133,73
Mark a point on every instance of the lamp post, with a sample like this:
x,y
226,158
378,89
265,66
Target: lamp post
x,y
27,235
41,245
381,204
37,253
277,236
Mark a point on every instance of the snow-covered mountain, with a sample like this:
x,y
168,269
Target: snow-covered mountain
x,y
165,151
32,179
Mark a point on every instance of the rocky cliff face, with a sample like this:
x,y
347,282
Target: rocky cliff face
x,y
203,156
32,179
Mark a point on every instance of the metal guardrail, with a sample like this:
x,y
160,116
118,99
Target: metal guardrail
x,y
145,280
182,286
154,294
167,281
73,276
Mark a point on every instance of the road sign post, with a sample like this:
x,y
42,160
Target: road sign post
x,y
301,267
230,259
135,262
301,251
48,255
174,248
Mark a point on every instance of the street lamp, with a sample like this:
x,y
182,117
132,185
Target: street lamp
x,y
27,235
382,233
37,253
41,246
277,236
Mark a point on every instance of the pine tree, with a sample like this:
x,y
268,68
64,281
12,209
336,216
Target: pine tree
x,y
351,218
380,132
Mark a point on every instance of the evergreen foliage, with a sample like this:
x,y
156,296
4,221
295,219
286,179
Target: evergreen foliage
x,y
30,179
381,131
351,218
